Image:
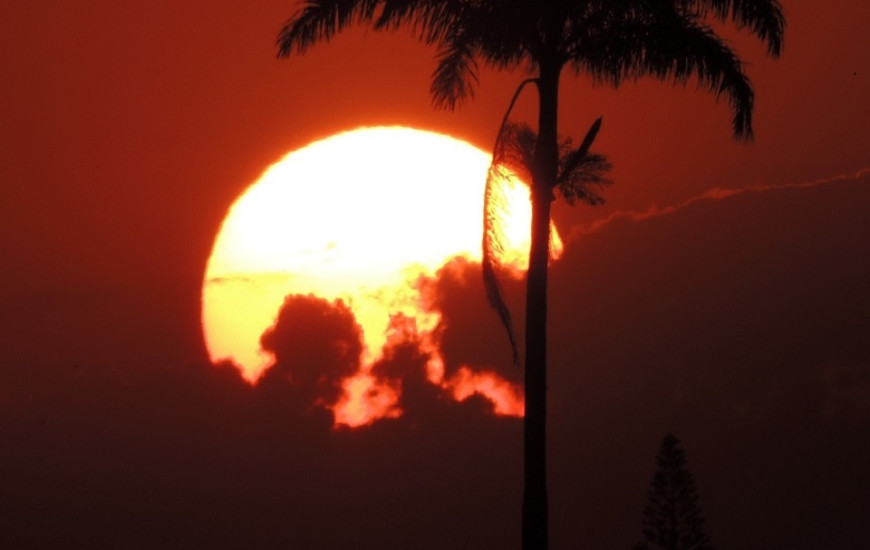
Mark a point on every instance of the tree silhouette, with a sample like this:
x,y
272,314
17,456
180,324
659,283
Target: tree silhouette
x,y
608,40
672,519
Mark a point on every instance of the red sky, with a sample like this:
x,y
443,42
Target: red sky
x,y
126,131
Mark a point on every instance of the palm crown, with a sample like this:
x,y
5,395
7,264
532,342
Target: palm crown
x,y
609,40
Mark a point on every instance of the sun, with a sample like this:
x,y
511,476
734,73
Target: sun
x,y
359,217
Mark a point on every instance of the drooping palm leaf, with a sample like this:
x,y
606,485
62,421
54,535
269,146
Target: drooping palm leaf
x,y
493,237
763,18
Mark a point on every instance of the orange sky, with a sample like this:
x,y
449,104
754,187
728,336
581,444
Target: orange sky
x,y
127,130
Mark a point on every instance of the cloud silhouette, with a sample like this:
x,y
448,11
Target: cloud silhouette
x,y
316,345
467,320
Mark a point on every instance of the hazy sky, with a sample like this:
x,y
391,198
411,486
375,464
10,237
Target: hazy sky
x,y
737,320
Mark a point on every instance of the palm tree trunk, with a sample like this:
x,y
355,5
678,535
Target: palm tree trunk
x,y
535,421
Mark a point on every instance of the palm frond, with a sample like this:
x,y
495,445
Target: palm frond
x,y
320,20
581,183
517,149
469,30
463,30
573,158
493,249
493,237
430,19
764,18
581,172
455,74
670,45
685,49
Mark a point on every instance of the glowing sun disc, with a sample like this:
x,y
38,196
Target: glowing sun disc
x,y
359,217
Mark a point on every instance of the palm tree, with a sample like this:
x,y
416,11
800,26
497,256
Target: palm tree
x,y
609,40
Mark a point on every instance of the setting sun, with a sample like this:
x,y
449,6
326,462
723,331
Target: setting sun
x,y
359,217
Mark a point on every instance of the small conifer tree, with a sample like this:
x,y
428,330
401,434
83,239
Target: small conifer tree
x,y
672,519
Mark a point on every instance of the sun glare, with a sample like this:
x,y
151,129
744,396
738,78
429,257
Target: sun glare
x,y
360,216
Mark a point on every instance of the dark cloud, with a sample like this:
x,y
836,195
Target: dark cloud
x,y
738,324
470,332
316,345
403,367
